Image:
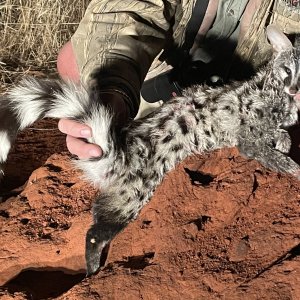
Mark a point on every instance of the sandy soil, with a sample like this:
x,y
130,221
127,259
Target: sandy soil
x,y
218,227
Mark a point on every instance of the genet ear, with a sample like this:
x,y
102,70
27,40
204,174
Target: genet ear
x,y
278,39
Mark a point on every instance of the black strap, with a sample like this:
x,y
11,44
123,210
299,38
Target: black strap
x,y
195,23
164,86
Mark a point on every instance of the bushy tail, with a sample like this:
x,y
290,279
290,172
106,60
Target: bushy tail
x,y
33,99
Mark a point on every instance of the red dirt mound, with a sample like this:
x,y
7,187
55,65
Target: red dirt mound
x,y
218,227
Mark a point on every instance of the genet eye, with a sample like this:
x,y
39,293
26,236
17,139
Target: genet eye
x,y
287,70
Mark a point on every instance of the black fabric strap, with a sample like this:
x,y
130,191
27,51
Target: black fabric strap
x,y
165,86
195,23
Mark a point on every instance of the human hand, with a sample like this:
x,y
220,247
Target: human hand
x,y
76,132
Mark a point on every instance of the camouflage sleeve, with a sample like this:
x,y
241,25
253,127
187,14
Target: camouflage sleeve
x,y
117,40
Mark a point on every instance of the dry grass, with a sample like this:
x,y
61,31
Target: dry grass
x,y
31,33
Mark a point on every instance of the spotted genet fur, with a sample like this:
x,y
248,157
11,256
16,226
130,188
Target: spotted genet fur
x,y
253,116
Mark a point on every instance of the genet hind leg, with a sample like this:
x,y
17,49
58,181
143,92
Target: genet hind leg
x,y
269,157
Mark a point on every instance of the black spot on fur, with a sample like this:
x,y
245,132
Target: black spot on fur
x,y
177,147
165,169
202,117
197,119
249,104
260,85
229,108
207,132
158,158
183,125
167,139
154,176
197,105
171,114
138,193
213,97
131,176
240,105
148,184
275,110
109,173
196,141
259,113
131,215
139,173
141,153
162,122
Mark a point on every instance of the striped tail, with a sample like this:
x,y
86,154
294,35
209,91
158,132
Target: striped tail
x,y
34,99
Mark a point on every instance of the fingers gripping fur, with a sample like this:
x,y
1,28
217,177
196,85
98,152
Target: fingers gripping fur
x,y
96,170
33,99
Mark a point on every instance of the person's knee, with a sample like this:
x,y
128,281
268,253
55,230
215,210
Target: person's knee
x,y
66,63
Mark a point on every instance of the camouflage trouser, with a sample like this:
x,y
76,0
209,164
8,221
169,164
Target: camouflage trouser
x,y
255,47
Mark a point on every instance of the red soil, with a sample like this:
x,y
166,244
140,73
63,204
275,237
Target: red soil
x,y
218,227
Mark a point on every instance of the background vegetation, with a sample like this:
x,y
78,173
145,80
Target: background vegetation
x,y
32,32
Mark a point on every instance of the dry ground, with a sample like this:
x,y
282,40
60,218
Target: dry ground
x,y
233,234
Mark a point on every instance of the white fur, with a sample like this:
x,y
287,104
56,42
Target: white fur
x,y
31,102
277,38
70,103
20,97
100,121
5,145
95,171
